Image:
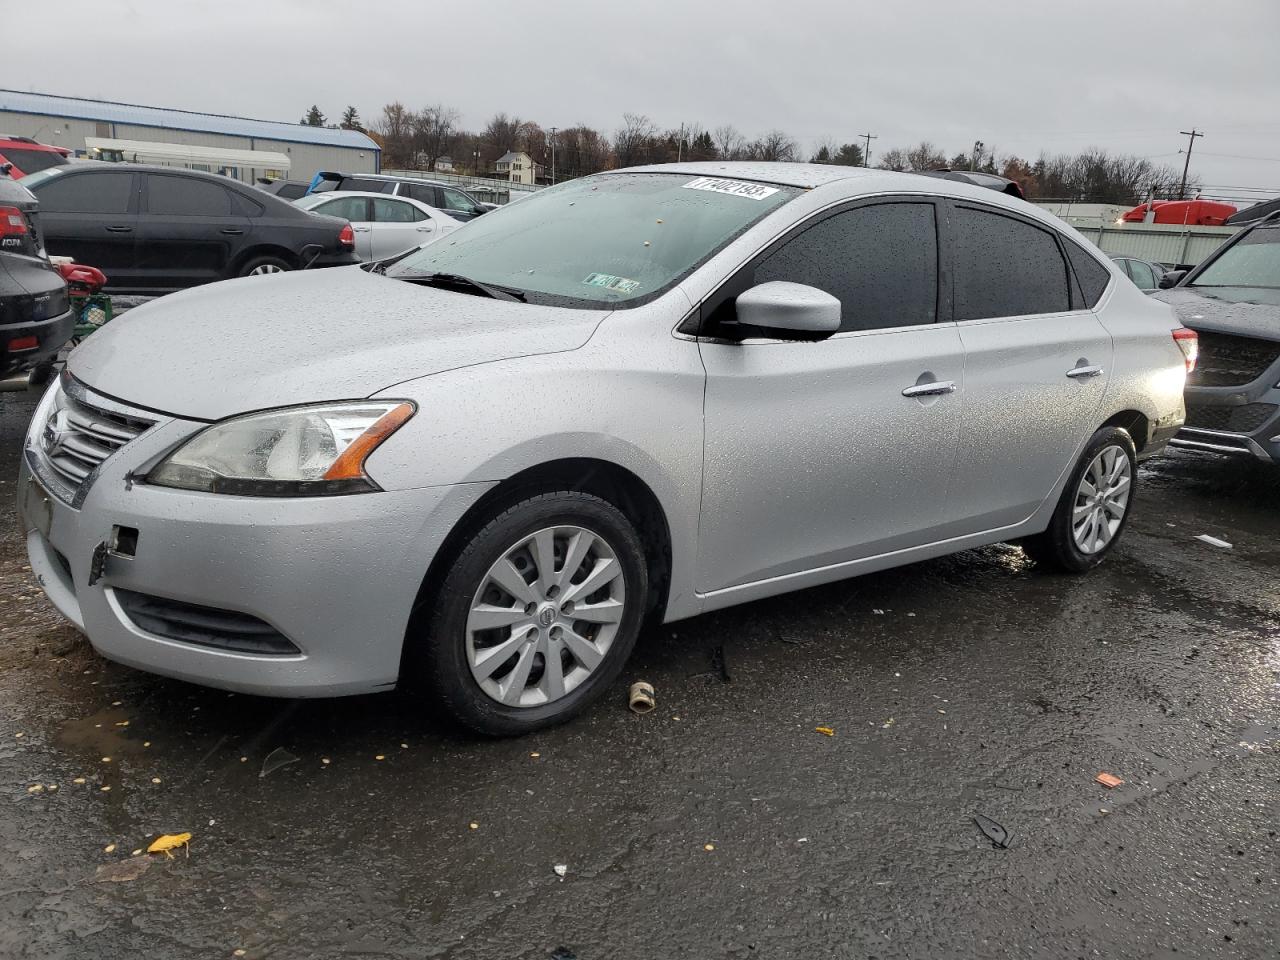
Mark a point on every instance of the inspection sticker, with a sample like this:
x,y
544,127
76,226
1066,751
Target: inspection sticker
x,y
735,188
609,282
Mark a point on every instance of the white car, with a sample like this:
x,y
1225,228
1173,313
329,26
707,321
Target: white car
x,y
384,226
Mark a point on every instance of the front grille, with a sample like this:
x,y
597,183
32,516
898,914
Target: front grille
x,y
1230,361
1240,419
77,437
204,626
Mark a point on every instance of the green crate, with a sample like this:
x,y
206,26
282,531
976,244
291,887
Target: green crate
x,y
91,312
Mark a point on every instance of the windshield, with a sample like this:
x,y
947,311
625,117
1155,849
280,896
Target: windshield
x,y
1253,262
616,239
30,161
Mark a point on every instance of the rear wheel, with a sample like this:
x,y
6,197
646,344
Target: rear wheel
x,y
1094,506
537,615
257,266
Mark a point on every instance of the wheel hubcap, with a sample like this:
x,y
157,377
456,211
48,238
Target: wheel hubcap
x,y
265,268
544,616
1101,500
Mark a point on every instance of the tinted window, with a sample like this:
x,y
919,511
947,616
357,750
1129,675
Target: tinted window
x,y
881,262
245,206
186,197
1092,275
456,200
348,208
86,193
367,185
421,192
29,161
1006,268
392,211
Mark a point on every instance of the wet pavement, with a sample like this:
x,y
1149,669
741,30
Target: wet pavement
x,y
722,824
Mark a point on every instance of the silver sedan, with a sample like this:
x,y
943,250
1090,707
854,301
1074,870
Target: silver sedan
x,y
384,226
631,398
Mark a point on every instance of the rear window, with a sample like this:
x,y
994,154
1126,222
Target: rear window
x,y
31,161
1092,275
1006,268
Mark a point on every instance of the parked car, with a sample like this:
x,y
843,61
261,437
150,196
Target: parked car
x,y
456,203
1232,300
284,189
161,228
35,314
24,155
385,226
636,396
989,180
1145,275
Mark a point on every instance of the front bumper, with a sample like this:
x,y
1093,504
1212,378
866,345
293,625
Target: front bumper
x,y
1243,421
50,334
336,576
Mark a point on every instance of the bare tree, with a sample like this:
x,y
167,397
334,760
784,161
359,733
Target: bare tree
x,y
925,156
395,127
434,129
895,159
635,142
774,146
730,144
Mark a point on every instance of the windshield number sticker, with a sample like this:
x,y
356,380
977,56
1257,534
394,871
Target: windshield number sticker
x,y
609,282
735,188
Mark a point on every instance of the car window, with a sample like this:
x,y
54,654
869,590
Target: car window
x,y
392,211
1091,274
1006,267
186,197
355,209
456,200
1254,261
422,192
29,161
245,206
367,185
97,192
1142,275
880,262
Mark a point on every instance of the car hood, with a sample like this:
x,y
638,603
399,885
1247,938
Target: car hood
x,y
1199,312
281,339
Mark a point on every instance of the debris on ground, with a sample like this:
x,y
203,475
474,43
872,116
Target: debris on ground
x,y
825,731
1108,780
1213,541
641,698
708,847
997,834
277,758
122,871
563,953
561,869
170,841
720,664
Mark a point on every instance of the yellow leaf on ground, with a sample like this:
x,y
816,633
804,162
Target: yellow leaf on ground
x,y
169,841
825,731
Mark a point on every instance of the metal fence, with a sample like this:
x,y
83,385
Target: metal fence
x,y
1158,242
488,189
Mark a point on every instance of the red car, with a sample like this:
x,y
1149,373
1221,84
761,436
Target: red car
x,y
25,155
1191,213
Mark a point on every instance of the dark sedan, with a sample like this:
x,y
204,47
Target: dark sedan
x,y
35,315
162,228
1232,300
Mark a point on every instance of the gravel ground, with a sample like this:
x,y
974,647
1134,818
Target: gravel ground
x,y
722,824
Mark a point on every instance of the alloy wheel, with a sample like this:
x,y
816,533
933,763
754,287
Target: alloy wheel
x,y
1101,500
544,616
263,268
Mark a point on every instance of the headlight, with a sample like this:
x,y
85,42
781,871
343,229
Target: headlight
x,y
298,452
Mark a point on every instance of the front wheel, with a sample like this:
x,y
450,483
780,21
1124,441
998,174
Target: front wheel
x,y
1094,506
536,616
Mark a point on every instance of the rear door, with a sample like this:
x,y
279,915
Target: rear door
x,y
397,226
1036,365
355,210
92,217
189,231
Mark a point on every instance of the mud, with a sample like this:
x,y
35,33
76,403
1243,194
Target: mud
x,y
970,685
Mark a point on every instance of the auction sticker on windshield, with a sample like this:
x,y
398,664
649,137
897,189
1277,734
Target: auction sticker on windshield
x,y
610,282
735,188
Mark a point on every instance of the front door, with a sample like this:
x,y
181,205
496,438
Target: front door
x,y
820,453
1037,362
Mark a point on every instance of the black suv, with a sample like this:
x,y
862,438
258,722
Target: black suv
x,y
35,316
456,203
155,228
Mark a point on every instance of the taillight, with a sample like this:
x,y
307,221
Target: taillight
x,y
12,222
19,344
347,237
1188,342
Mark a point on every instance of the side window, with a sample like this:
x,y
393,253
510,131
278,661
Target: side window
x,y
1092,275
367,185
1142,275
420,214
881,262
245,206
391,211
105,193
421,192
455,200
355,209
186,197
1006,268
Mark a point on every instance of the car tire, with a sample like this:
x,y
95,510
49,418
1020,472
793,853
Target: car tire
x,y
1085,525
255,266
455,661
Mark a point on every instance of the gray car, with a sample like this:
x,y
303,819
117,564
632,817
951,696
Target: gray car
x,y
634,397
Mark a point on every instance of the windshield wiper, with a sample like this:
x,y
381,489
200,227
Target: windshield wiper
x,y
455,281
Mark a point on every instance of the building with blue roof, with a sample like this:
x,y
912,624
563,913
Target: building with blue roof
x,y
274,149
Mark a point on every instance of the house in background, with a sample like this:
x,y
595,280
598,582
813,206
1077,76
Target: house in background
x,y
517,167
444,164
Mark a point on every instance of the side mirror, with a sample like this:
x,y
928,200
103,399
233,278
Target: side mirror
x,y
1172,278
789,308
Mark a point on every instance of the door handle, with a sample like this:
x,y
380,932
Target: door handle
x,y
1084,372
231,231
119,229
360,229
932,389
425,229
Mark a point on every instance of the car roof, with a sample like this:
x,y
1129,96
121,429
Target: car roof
x,y
372,194
392,178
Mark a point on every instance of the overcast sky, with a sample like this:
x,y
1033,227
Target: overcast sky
x,y
1126,75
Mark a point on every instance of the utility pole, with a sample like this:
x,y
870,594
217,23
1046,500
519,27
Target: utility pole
x,y
553,155
866,154
680,146
1192,134
973,157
